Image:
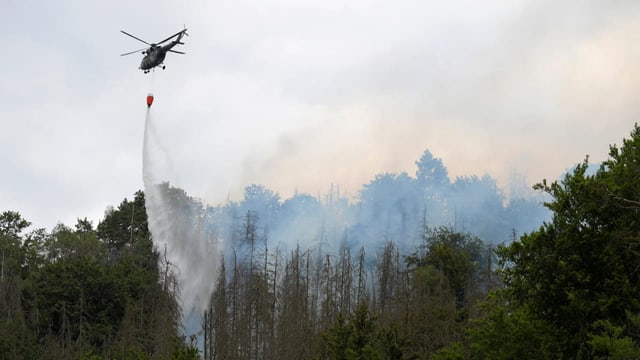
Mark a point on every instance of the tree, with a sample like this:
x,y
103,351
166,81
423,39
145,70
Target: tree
x,y
125,224
459,257
445,282
353,339
388,281
581,268
611,342
81,293
431,172
478,208
504,331
433,181
294,323
261,201
14,335
66,243
216,320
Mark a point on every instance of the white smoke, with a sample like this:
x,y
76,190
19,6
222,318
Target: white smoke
x,y
189,253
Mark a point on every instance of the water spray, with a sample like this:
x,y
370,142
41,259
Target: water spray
x,y
190,257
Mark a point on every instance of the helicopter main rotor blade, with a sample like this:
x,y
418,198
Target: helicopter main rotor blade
x,y
176,51
131,52
172,36
126,33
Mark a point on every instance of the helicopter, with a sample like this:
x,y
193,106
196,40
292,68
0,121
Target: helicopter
x,y
155,54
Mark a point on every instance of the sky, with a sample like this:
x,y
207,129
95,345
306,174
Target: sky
x,y
300,95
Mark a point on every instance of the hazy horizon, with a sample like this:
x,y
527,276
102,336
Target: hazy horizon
x,y
298,97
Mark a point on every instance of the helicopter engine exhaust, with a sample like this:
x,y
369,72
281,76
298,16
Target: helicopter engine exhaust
x,y
149,100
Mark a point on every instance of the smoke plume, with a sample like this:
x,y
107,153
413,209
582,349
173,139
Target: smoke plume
x,y
393,207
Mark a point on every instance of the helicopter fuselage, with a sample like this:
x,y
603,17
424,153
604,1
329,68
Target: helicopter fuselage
x,y
156,52
154,56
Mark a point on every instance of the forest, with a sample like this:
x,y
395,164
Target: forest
x,y
88,292
418,267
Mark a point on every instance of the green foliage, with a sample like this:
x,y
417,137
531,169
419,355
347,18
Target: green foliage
x,y
352,339
12,224
394,345
571,289
458,257
14,335
65,243
581,268
12,255
86,293
125,225
454,352
506,332
608,341
184,350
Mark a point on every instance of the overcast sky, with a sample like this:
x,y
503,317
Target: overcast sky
x,y
299,95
